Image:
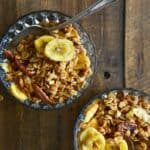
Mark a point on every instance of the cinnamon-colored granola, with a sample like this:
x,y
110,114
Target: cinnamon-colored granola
x,y
120,115
42,79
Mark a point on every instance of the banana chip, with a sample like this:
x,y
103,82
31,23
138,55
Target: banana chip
x,y
91,139
6,67
90,112
60,50
111,145
17,92
117,144
83,61
41,42
123,145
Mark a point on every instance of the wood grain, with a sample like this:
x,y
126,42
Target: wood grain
x,y
23,128
137,44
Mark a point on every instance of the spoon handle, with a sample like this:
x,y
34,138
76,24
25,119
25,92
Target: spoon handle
x,y
96,6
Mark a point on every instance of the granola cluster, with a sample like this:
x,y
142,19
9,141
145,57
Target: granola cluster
x,y
120,115
42,79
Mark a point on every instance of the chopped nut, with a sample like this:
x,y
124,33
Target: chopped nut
x,y
21,82
118,114
122,104
20,47
42,95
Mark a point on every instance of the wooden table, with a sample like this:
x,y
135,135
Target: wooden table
x,y
121,34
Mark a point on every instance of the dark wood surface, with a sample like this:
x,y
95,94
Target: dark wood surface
x,y
121,34
137,50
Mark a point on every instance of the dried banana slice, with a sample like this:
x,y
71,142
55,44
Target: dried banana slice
x,y
41,42
83,61
111,145
60,50
117,144
123,145
91,139
17,92
90,112
6,67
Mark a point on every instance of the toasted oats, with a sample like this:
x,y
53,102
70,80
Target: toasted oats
x,y
122,104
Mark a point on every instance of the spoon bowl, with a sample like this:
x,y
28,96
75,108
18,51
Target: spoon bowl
x,y
36,30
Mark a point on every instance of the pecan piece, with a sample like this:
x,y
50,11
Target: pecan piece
x,y
120,95
84,72
66,29
23,68
8,54
41,94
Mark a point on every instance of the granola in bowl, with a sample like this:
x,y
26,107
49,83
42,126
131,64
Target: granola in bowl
x,y
48,71
109,120
50,68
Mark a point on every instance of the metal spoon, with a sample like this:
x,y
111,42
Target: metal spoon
x,y
96,6
40,30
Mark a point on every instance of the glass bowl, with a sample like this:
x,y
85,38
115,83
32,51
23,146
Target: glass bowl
x,y
36,18
80,118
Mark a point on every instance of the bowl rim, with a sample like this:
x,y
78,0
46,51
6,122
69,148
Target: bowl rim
x,y
70,100
101,96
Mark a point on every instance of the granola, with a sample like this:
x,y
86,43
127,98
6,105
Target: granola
x,y
48,79
115,118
